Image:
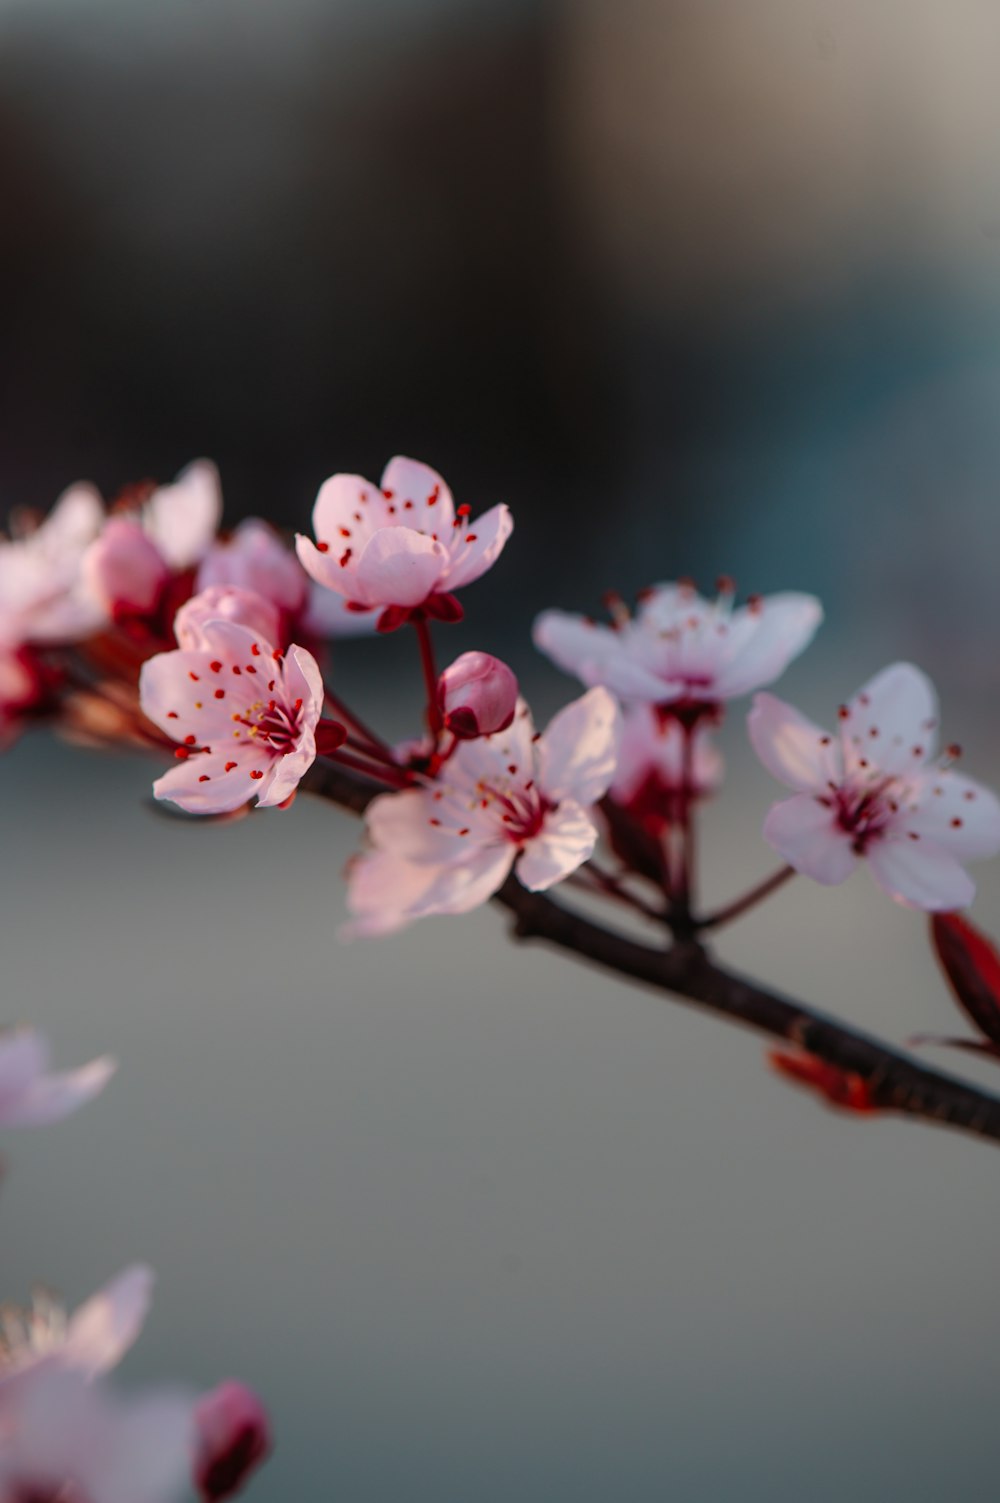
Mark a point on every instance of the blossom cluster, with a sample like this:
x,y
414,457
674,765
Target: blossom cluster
x,y
143,623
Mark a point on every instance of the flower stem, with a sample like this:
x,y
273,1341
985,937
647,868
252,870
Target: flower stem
x,y
750,899
349,718
423,630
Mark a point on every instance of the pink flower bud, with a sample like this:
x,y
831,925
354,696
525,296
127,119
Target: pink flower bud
x,y
233,1439
124,569
477,696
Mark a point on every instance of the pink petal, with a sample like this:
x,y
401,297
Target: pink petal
x,y
804,832
124,569
177,691
797,752
183,518
478,547
234,1439
401,823
409,480
102,1330
341,501
225,603
29,1095
74,520
328,615
386,892
256,559
225,789
566,840
579,749
399,567
24,1055
763,640
919,874
892,721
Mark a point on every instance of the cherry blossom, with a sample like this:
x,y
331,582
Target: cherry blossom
x,y
233,1439
511,797
91,1341
875,790
43,597
477,695
29,1094
651,776
254,558
124,569
182,518
681,649
64,1439
244,715
400,547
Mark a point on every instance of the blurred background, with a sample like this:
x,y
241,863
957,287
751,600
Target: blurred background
x,y
696,289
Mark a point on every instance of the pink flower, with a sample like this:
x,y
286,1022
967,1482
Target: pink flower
x,y
66,1440
254,558
42,593
29,1094
225,603
681,649
873,790
402,547
124,570
511,797
477,695
244,715
650,776
233,1439
91,1341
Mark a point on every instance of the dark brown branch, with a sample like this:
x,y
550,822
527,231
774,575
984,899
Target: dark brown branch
x,y
687,970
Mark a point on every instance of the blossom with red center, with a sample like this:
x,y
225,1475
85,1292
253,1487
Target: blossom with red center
x,y
655,769
233,1440
65,1439
680,649
400,547
30,1094
244,715
43,598
511,797
874,790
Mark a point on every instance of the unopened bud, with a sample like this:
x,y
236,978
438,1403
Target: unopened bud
x,y
124,568
233,1439
477,696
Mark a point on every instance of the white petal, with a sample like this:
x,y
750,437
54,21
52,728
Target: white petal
x,y
762,641
405,824
478,547
566,840
957,814
892,721
183,518
327,614
919,874
804,832
24,1055
579,749
386,892
102,1330
797,752
399,567
226,788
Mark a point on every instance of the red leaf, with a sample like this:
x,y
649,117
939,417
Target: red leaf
x,y
841,1088
972,965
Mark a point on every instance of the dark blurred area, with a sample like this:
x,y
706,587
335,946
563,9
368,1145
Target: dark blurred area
x,y
696,289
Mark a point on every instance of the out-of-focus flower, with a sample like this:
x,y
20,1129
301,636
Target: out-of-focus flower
x,y
254,558
90,1341
182,518
402,547
680,649
477,696
29,1094
43,598
233,1438
225,603
243,712
124,569
64,1439
874,791
652,778
504,798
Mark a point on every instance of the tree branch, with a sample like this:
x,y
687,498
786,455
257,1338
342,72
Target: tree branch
x,y
687,970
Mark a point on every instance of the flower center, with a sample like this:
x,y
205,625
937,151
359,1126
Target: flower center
x,y
272,724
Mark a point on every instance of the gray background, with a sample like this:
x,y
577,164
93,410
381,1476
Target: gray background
x,y
694,289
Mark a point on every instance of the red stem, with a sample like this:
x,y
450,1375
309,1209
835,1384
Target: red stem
x,y
427,663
